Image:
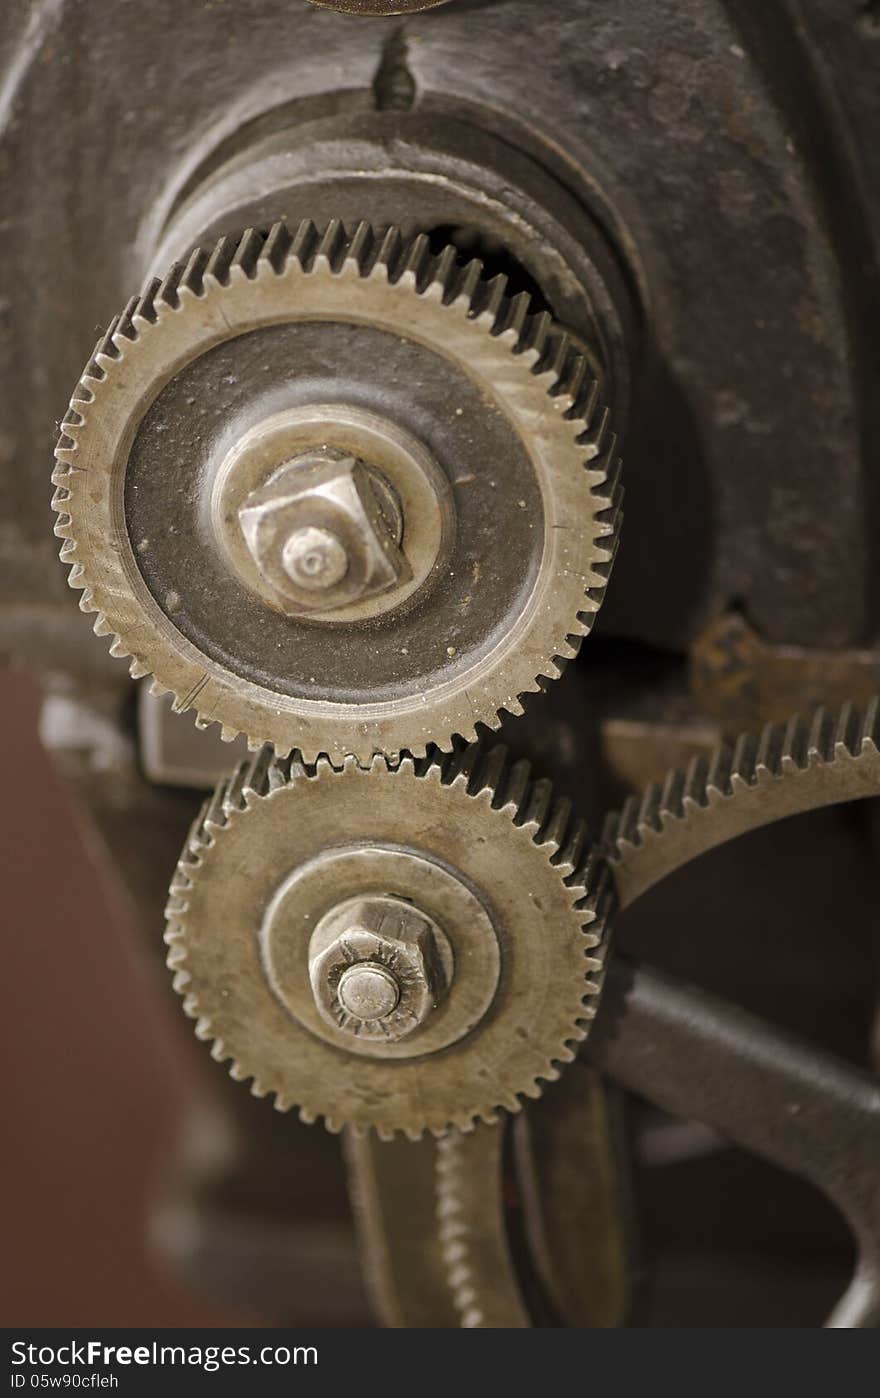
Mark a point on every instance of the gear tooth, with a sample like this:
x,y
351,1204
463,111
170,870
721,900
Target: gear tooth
x,y
101,626
484,769
233,799
574,373
168,289
445,276
870,734
145,308
362,248
612,833
574,851
518,308
820,743
745,751
215,815
228,734
247,254
586,400
696,779
61,530
137,669
847,732
598,439
220,261
470,278
389,254
557,352
537,807
305,244
416,265
332,247
768,759
193,278
492,302
649,817
556,829
794,744
107,348
672,796
718,781
126,326
538,331
496,768
257,773
517,788
276,248
453,763
158,689
117,648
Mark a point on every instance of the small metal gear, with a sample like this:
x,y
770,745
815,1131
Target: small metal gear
x,y
481,419
466,845
790,768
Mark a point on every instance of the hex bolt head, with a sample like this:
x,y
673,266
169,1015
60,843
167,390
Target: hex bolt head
x,y
324,531
375,967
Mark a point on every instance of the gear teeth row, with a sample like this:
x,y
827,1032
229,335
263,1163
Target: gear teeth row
x,y
472,1233
534,334
821,760
507,787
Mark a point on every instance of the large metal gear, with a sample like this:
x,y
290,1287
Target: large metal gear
x,y
408,946
790,768
394,501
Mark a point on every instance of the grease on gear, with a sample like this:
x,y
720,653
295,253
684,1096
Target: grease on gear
x,y
481,397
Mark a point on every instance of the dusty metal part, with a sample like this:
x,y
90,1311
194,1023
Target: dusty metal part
x,y
744,681
568,1171
239,945
688,1052
378,967
572,1158
473,1233
611,93
792,767
392,1187
443,172
319,536
522,584
255,504
698,1057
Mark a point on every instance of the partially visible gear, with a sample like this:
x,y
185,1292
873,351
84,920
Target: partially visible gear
x,y
394,501
452,884
790,768
797,766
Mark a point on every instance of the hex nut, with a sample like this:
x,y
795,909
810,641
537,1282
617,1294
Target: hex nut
x,y
375,967
324,532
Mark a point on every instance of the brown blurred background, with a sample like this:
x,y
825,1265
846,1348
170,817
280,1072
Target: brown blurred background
x,y
90,1095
